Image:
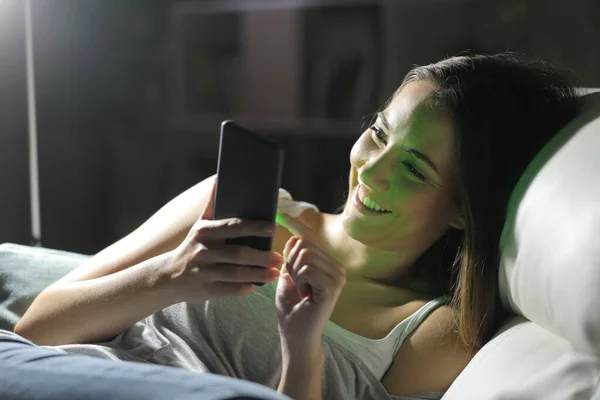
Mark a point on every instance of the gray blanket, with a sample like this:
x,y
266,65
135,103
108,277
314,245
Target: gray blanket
x,y
25,271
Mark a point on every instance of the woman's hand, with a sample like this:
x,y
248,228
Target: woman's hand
x,y
307,291
203,266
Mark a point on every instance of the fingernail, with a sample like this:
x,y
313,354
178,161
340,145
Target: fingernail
x,y
274,272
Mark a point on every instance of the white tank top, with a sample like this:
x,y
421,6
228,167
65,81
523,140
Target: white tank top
x,y
377,354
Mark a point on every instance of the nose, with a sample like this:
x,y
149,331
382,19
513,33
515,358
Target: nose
x,y
374,173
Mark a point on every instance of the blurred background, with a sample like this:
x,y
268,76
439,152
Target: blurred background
x,y
130,93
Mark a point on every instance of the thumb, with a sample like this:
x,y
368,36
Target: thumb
x,y
208,211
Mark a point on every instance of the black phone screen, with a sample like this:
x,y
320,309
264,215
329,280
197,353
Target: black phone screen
x,y
249,174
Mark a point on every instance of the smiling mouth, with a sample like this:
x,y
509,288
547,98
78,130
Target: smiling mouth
x,y
366,204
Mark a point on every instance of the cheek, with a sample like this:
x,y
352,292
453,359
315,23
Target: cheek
x,y
441,212
425,207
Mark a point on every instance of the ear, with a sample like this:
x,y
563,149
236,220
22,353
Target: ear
x,y
458,222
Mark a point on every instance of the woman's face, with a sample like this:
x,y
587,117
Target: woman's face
x,y
403,178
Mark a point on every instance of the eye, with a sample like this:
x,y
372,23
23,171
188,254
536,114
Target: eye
x,y
378,134
415,172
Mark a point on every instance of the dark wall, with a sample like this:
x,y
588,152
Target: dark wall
x,y
14,189
110,154
95,62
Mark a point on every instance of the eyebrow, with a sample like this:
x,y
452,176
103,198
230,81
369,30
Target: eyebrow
x,y
410,150
384,120
421,156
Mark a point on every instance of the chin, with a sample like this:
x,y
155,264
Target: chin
x,y
353,226
358,231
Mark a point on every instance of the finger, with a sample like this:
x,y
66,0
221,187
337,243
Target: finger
x,y
304,252
239,273
208,211
242,255
289,245
313,282
287,295
322,260
231,228
293,261
302,283
296,227
228,289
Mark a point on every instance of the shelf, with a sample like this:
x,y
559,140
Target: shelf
x,y
212,6
222,6
210,124
311,83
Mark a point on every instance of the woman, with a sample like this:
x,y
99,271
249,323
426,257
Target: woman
x,y
399,288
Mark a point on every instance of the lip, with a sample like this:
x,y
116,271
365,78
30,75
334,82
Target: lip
x,y
361,207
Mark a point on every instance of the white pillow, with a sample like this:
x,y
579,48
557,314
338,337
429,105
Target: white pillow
x,y
526,362
550,265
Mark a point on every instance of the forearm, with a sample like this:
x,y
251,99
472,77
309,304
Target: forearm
x,y
301,375
98,309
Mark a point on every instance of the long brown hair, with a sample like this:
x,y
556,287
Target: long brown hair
x,y
505,108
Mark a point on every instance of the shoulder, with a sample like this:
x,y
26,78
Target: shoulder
x,y
430,358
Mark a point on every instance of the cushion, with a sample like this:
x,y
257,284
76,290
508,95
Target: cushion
x,y
550,264
24,272
550,274
525,361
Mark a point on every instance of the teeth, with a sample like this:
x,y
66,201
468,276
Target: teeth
x,y
369,203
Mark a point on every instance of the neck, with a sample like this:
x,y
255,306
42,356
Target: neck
x,y
362,262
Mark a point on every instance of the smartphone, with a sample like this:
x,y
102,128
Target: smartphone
x,y
249,171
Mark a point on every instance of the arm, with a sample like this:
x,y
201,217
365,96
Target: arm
x,y
162,263
119,285
430,359
95,310
306,295
301,375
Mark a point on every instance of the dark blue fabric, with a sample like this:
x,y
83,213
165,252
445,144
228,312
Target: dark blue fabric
x,y
28,372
